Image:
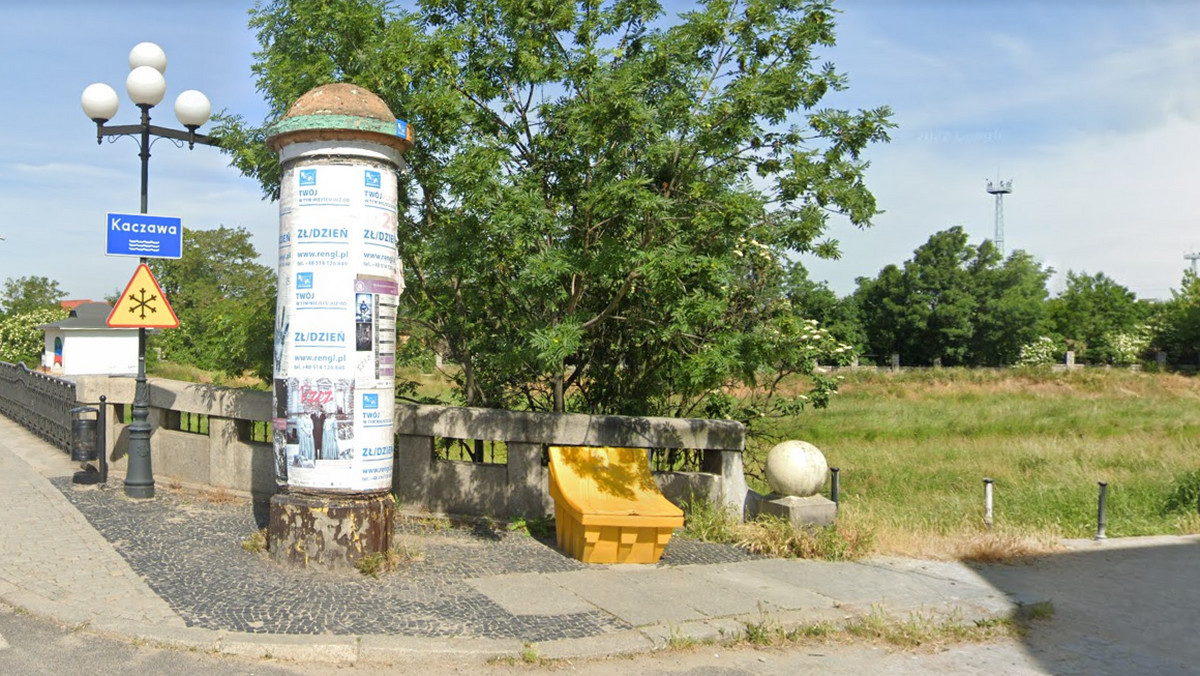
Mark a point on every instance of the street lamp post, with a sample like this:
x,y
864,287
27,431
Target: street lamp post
x,y
146,87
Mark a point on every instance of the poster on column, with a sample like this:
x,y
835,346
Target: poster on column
x,y
336,326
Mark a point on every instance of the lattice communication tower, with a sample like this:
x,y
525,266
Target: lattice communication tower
x,y
1000,189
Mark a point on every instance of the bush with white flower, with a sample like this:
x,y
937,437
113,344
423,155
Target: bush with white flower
x,y
1041,351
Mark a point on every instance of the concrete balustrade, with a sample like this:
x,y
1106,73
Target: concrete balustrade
x,y
519,487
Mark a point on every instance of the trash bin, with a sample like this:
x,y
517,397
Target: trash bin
x,y
83,434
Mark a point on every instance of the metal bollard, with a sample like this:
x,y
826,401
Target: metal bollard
x,y
1100,522
102,442
833,484
987,503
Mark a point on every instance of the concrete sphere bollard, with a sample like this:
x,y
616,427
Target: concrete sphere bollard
x,y
796,468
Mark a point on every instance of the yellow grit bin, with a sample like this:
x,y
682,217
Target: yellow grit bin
x,y
608,509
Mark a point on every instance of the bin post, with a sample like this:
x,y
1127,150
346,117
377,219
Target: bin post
x,y
103,445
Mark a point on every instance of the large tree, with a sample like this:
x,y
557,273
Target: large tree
x,y
25,294
954,303
1093,314
1177,322
1010,305
225,301
600,206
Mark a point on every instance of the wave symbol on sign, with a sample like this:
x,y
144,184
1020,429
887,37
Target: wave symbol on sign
x,y
144,245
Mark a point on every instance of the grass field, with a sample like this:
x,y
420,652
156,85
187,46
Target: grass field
x,y
914,448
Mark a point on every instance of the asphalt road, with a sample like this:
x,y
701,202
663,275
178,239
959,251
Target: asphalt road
x,y
29,645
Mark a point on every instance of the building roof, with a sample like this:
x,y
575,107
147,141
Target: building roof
x,y
72,304
88,315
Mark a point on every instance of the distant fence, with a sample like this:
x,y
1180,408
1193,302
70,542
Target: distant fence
x,y
40,403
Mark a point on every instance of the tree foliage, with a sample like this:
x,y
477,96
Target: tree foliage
x,y
21,341
599,207
25,294
1094,314
225,301
954,303
1175,324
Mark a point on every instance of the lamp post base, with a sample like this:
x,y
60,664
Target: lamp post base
x,y
139,492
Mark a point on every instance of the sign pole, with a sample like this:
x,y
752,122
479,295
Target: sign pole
x,y
146,87
139,475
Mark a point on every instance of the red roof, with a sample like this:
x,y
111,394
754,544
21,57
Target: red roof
x,y
72,304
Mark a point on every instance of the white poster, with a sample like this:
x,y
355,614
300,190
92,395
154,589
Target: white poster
x,y
339,286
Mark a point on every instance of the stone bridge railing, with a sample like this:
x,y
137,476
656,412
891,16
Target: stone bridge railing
x,y
218,437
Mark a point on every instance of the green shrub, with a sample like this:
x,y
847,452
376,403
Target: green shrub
x,y
1184,494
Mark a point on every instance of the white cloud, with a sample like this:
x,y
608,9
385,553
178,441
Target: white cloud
x,y
58,171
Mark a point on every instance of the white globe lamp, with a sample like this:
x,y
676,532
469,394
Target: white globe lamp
x,y
192,108
146,86
100,102
148,54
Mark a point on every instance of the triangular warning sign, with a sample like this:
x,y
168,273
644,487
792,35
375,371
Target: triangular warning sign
x,y
143,304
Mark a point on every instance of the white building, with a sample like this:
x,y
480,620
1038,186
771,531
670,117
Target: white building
x,y
84,344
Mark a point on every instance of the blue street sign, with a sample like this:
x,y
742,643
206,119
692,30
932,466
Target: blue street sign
x,y
144,235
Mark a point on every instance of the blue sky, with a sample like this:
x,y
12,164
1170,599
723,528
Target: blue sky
x,y
1091,108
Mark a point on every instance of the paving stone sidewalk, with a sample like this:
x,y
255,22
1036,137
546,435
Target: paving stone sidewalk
x,y
172,570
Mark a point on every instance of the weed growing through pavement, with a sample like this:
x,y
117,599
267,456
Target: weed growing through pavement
x,y
1003,547
255,542
676,640
765,632
1034,612
218,496
916,631
539,528
529,656
427,523
401,554
919,630
372,564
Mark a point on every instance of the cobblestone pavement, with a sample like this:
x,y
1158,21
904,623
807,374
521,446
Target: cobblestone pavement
x,y
189,552
51,560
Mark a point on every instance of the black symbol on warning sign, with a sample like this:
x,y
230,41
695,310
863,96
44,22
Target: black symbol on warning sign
x,y
142,302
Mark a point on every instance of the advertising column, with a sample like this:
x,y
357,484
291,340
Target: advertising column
x,y
340,281
339,284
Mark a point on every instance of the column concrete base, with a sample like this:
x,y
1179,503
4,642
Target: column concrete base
x,y
815,510
329,531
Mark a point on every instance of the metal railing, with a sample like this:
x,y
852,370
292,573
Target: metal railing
x,y
40,403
